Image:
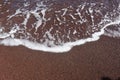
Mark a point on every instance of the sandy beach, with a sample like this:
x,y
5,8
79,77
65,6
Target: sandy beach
x,y
90,61
53,22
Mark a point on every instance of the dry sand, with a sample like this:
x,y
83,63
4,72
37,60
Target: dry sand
x,y
90,61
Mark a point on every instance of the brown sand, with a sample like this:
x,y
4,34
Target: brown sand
x,y
87,62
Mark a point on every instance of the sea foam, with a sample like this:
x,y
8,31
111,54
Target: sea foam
x,y
57,49
62,29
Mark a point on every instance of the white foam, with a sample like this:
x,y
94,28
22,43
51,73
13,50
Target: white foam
x,y
34,46
9,40
56,49
17,12
4,35
112,32
26,19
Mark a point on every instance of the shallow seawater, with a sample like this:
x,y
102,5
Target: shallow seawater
x,y
57,25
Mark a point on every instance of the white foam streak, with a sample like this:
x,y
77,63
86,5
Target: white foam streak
x,y
26,19
17,12
4,35
39,13
112,33
57,49
43,13
34,46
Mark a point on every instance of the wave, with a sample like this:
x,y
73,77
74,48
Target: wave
x,y
57,26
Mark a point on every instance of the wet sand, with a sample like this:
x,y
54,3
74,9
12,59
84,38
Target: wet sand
x,y
90,61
